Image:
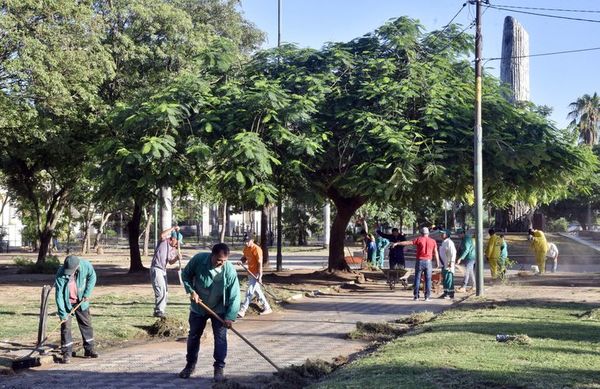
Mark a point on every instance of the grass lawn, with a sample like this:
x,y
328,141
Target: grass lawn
x,y
115,318
458,349
119,313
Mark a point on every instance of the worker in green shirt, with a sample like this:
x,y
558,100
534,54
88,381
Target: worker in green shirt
x,y
467,255
211,279
381,243
74,283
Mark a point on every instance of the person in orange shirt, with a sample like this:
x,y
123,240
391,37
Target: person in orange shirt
x,y
253,256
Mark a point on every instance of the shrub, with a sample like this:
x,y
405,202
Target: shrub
x,y
27,266
558,225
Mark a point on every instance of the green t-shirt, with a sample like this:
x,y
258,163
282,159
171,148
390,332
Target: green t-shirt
x,y
215,297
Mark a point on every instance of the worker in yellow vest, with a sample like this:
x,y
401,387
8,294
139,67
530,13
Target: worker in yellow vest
x,y
539,246
493,251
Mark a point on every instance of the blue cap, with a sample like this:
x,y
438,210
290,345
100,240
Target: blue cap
x,y
71,265
177,235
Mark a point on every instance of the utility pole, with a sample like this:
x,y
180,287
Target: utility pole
x,y
278,23
478,162
279,259
156,221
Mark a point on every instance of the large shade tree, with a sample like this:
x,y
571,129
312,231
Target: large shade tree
x,y
52,65
394,113
170,57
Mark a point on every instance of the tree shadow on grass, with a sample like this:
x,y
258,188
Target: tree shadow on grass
x,y
391,375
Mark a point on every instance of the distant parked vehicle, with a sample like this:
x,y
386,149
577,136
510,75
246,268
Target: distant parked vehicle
x,y
574,227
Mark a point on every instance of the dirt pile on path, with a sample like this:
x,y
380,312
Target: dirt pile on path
x,y
417,318
291,377
168,327
378,332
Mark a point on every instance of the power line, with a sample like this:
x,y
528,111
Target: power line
x,y
550,9
436,34
449,43
544,15
547,54
454,17
469,26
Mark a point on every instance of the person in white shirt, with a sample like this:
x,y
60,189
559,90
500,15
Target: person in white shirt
x,y
552,253
448,257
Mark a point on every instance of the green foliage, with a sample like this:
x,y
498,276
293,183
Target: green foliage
x,y
27,266
585,115
557,225
52,66
174,56
299,221
397,123
391,113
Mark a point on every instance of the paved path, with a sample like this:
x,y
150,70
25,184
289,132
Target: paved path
x,y
587,242
310,328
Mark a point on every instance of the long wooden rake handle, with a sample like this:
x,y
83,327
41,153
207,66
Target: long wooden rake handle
x,y
257,280
214,315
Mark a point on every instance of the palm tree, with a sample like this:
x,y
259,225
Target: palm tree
x,y
585,115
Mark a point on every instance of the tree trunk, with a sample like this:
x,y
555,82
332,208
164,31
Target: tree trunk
x,y
135,264
279,234
454,214
4,202
87,216
401,221
326,223
166,208
223,220
150,219
103,220
45,240
264,239
227,222
45,234
345,207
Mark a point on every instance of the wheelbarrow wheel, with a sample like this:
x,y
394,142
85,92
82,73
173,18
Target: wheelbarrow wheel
x,y
390,280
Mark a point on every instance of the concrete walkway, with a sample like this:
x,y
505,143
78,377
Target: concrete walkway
x,y
309,328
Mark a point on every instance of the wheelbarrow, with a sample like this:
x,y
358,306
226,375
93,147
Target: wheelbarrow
x,y
436,280
396,276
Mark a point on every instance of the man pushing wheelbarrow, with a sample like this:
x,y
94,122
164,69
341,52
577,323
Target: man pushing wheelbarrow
x,y
426,251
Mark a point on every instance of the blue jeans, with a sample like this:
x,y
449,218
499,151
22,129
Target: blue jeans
x,y
197,325
420,266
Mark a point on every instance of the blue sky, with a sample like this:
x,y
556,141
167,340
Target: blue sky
x,y
555,80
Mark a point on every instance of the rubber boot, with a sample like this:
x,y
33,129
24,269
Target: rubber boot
x,y
187,371
66,358
90,353
218,376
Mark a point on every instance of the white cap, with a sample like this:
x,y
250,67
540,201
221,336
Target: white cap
x,y
425,231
